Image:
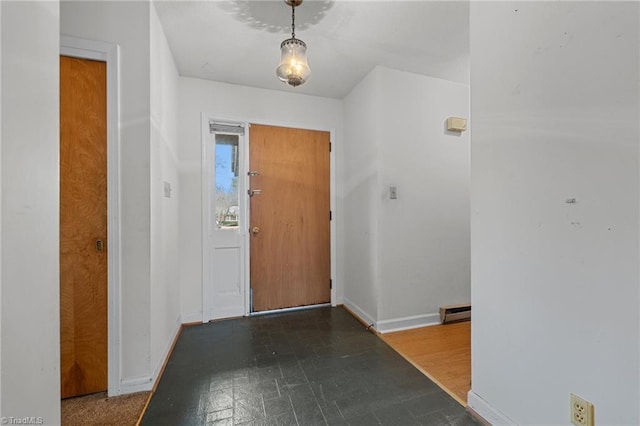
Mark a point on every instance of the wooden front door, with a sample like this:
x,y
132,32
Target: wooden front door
x,y
290,217
83,226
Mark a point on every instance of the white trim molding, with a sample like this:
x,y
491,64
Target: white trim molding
x,y
391,325
205,175
139,384
489,414
166,353
109,53
407,323
191,317
360,313
205,205
147,383
333,228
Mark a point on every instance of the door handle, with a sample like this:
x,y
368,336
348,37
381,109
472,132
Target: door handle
x,y
99,246
255,230
253,192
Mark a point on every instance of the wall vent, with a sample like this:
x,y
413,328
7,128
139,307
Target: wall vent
x,y
455,313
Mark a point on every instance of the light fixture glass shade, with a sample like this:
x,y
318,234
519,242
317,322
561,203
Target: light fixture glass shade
x,y
293,68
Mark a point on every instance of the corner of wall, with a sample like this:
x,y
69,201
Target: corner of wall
x,y
30,312
488,413
191,317
359,312
0,209
165,319
407,323
147,383
166,352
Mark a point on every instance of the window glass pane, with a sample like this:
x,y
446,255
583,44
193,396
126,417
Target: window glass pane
x,y
227,210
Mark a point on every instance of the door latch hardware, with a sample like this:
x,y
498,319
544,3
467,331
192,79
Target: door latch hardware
x,y
253,192
255,230
251,173
99,246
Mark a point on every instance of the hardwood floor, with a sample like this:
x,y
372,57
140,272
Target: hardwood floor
x,y
442,352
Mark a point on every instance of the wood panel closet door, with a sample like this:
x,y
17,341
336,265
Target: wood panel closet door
x,y
83,226
290,224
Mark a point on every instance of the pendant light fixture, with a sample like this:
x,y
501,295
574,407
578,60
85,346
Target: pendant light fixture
x,y
293,68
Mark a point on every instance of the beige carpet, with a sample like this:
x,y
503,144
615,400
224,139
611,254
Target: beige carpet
x,y
98,409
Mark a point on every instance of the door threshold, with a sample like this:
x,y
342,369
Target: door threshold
x,y
295,308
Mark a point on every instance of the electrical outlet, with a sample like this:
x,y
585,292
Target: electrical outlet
x,y
582,411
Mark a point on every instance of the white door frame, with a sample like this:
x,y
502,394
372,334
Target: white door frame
x,y
108,52
208,226
207,275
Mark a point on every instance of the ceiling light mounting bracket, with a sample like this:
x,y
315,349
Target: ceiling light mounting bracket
x,y
293,3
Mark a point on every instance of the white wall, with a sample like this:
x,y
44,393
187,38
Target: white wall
x,y
0,205
424,240
150,299
241,103
165,290
361,189
30,369
127,24
555,285
406,257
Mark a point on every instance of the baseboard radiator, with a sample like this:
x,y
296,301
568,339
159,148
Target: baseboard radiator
x,y
455,313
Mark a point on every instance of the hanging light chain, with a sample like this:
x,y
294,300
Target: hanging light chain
x,y
293,20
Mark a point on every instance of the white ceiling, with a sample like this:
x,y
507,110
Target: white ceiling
x,y
238,41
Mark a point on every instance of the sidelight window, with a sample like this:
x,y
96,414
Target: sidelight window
x,y
226,180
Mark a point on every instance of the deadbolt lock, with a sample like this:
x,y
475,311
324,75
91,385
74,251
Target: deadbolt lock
x,y
99,246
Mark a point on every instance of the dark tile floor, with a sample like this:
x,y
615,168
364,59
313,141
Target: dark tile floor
x,y
311,367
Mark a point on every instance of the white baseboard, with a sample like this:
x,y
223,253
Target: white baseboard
x,y
396,324
191,317
486,411
146,383
364,317
166,353
407,323
139,384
